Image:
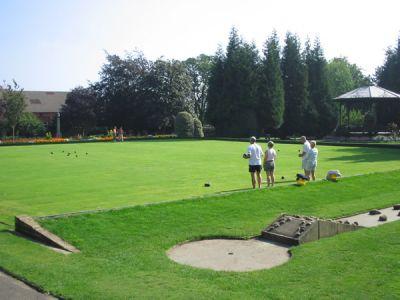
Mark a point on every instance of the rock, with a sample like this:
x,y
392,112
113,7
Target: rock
x,y
382,218
396,207
374,212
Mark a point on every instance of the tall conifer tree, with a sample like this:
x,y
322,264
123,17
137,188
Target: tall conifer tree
x,y
321,112
233,95
271,102
388,77
215,108
295,82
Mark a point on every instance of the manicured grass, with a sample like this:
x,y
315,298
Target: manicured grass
x,y
35,182
123,252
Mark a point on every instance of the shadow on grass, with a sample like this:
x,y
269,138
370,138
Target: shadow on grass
x,y
366,155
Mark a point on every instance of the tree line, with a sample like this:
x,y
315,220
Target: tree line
x,y
281,90
286,90
141,95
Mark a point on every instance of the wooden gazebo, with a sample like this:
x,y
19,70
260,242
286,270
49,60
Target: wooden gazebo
x,y
365,96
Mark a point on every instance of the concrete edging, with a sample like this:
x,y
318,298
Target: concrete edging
x,y
27,226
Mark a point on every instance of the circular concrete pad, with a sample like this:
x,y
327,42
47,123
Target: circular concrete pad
x,y
230,255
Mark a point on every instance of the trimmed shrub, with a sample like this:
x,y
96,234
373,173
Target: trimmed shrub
x,y
29,125
184,125
198,128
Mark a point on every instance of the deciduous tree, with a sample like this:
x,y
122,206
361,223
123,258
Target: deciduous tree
x,y
78,114
13,98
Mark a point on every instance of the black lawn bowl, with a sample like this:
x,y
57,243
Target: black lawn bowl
x,y
382,218
207,184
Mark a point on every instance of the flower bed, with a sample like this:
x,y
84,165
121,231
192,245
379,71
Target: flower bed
x,y
30,141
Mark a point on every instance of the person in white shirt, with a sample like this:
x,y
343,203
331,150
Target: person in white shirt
x,y
311,160
254,155
269,163
303,154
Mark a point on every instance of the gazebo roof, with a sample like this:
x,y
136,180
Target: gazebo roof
x,y
368,93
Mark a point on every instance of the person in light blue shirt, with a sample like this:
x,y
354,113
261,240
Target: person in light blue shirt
x,y
311,160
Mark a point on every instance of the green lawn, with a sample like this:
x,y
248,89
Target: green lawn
x,y
34,182
123,252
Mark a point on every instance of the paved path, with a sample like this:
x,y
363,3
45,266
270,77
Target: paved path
x,y
11,289
367,220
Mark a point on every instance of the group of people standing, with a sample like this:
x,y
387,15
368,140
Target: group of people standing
x,y
117,134
258,159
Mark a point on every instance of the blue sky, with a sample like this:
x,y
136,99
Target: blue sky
x,y
57,45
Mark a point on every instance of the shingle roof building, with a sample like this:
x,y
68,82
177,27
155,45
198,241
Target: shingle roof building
x,y
45,105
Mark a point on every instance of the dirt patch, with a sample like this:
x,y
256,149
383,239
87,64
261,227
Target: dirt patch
x,y
231,255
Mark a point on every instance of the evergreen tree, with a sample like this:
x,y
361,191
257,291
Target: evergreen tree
x,y
271,101
388,77
322,115
240,83
232,91
215,88
294,73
